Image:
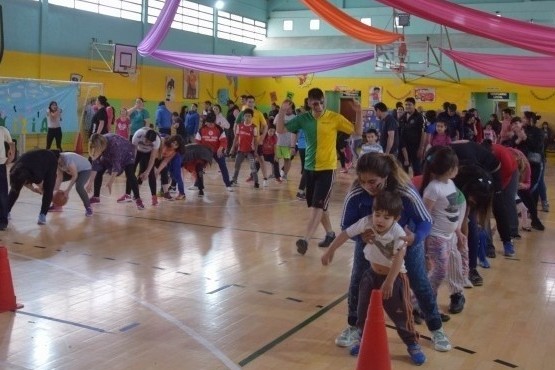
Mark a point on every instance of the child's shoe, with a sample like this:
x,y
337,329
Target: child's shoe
x,y
201,193
509,249
154,200
416,355
54,208
94,200
355,349
125,198
180,197
167,196
88,212
42,219
139,203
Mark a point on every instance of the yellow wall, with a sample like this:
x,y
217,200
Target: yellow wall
x,y
149,83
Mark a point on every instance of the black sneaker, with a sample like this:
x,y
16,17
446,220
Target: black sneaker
x,y
444,317
257,186
301,196
417,317
490,252
516,236
475,278
201,193
538,225
457,303
302,246
327,241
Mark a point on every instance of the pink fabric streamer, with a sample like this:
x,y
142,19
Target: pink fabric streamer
x,y
240,65
524,35
524,70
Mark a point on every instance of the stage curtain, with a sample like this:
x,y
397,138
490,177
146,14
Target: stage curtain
x,y
524,70
524,35
349,25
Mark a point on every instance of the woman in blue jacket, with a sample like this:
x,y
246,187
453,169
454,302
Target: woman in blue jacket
x,y
377,172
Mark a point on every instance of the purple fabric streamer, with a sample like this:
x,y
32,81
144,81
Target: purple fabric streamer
x,y
240,65
262,66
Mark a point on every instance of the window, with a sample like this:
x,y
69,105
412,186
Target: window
x,y
241,29
366,21
127,9
314,24
190,16
288,25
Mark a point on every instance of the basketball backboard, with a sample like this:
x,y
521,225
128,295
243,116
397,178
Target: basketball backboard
x,y
402,57
125,59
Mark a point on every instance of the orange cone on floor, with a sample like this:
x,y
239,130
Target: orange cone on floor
x,y
79,144
374,350
7,295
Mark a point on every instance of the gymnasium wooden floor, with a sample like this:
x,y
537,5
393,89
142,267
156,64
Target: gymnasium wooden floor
x,y
216,283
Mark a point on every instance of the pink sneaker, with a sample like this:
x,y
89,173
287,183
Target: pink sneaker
x,y
94,200
125,198
139,203
154,200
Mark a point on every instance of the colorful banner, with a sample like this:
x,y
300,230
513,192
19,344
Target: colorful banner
x,y
23,106
424,94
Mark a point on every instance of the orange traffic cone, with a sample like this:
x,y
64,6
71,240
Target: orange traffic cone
x,y
7,296
79,143
374,350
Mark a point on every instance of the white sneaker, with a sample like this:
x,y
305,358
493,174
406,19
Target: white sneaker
x,y
230,189
264,183
192,187
349,336
467,283
440,341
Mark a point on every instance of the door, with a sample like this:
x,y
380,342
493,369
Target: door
x,y
347,110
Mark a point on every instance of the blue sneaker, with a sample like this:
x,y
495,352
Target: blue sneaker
x,y
509,249
88,212
355,349
42,219
483,262
416,355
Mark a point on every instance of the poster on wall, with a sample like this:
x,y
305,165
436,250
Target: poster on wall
x,y
424,94
374,95
190,84
170,88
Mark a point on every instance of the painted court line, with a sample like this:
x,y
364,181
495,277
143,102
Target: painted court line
x,y
62,321
194,335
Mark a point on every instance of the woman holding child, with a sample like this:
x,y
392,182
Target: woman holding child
x,y
376,173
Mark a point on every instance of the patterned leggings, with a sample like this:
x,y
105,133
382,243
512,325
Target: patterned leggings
x,y
444,263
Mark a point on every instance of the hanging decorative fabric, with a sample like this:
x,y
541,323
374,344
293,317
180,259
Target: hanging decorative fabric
x,y
524,35
240,65
525,70
349,25
262,66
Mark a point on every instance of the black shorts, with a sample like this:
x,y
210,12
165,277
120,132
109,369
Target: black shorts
x,y
319,185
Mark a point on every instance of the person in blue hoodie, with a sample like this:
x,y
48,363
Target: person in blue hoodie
x,y
192,124
377,172
163,119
